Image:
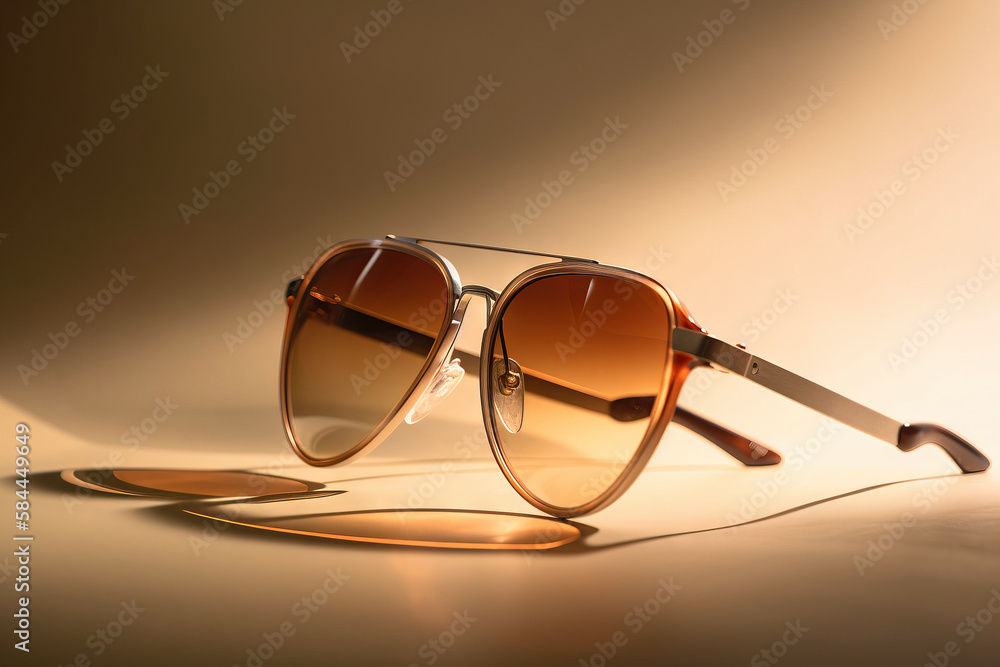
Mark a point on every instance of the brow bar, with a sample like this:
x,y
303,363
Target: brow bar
x,y
493,248
906,437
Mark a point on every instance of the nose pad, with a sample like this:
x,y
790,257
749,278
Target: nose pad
x,y
444,383
507,385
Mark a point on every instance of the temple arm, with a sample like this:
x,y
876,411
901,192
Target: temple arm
x,y
906,437
740,447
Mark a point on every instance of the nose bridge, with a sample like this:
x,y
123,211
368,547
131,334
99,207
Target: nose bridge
x,y
457,320
490,296
445,373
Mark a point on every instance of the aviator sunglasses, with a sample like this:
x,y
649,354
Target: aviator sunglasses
x,y
580,369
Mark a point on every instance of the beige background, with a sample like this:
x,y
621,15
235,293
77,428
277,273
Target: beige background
x,y
650,201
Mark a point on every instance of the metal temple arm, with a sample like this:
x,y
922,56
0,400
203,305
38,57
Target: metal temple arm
x,y
906,437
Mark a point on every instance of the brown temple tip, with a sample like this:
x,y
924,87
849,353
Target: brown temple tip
x,y
740,447
968,458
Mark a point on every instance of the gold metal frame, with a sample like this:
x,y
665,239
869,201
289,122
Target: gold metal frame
x,y
442,349
690,347
662,406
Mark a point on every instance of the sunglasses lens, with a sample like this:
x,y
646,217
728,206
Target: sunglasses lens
x,y
360,337
571,398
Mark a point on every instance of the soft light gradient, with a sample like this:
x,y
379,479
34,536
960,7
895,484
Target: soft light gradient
x,y
174,361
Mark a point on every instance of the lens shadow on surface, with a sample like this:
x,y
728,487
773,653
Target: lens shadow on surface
x,y
199,496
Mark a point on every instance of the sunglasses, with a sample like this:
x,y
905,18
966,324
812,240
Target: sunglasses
x,y
580,369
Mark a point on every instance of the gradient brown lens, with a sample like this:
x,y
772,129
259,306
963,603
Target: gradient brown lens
x,y
361,335
601,341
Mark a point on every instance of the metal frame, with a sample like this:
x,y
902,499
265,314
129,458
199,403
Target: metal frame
x,y
662,406
727,357
476,246
443,345
904,436
690,347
